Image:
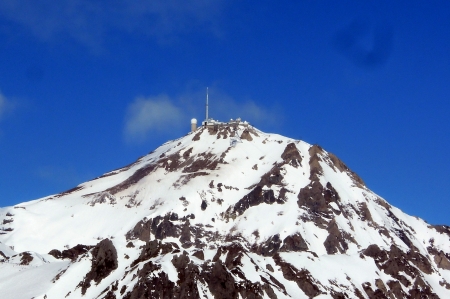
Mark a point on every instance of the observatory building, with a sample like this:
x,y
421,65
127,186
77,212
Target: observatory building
x,y
234,125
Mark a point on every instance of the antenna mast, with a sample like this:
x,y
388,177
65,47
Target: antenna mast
x,y
206,105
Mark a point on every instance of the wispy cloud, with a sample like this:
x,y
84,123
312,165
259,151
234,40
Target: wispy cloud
x,y
163,114
225,107
89,21
5,105
152,114
2,104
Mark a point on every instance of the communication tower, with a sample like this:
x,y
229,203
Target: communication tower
x,y
207,117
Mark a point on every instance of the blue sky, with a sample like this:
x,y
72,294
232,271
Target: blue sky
x,y
89,86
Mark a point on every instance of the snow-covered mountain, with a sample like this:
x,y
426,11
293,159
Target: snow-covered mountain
x,y
223,212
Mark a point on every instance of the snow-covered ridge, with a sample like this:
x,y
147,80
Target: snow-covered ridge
x,y
228,205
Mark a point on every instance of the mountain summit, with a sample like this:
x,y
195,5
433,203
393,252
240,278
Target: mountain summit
x,y
226,211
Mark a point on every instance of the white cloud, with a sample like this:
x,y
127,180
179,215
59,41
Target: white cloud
x,y
152,114
89,21
224,107
4,104
162,114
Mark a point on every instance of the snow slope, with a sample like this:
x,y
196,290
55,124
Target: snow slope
x,y
270,217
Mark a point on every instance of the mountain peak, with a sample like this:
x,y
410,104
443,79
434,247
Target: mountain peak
x,y
225,211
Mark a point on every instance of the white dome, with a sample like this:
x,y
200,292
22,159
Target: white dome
x,y
193,121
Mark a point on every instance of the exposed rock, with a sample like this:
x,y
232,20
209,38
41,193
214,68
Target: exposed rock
x,y
151,283
335,242
294,242
373,294
6,221
67,192
26,258
397,263
160,227
292,156
445,284
316,199
270,247
104,261
140,231
396,289
204,205
151,250
246,135
255,197
273,177
337,163
441,259
199,254
188,274
302,277
314,165
204,161
71,253
234,255
443,229
197,135
364,214
133,179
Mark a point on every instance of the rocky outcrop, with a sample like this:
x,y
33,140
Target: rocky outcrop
x,y
104,261
25,258
302,278
406,268
71,253
316,199
292,156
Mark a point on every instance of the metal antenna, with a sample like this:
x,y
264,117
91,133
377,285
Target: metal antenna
x,y
206,105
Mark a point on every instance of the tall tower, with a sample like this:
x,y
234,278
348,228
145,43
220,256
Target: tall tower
x,y
206,119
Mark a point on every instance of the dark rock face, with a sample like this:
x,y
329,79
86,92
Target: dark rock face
x,y
133,179
273,245
26,258
441,258
215,274
153,249
294,243
443,229
335,242
151,285
171,225
160,227
302,277
104,261
246,135
273,177
316,199
269,247
255,197
72,190
6,221
315,167
336,163
292,156
397,264
72,253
